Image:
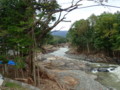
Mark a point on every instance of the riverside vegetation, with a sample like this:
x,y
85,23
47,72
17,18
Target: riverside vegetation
x,y
25,27
97,35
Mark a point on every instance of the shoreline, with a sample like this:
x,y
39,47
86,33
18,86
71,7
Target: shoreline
x,y
96,58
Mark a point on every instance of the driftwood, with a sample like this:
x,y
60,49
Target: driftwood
x,y
26,80
50,75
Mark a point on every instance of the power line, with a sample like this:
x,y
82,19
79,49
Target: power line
x,y
88,6
85,7
112,6
99,5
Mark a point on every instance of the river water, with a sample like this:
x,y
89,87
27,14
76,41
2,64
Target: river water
x,y
108,74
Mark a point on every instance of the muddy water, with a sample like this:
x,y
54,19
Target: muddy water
x,y
109,75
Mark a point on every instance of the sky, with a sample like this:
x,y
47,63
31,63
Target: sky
x,y
84,13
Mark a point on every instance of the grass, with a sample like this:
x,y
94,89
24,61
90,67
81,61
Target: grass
x,y
12,86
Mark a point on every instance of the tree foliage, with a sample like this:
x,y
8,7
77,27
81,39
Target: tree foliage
x,y
97,33
24,26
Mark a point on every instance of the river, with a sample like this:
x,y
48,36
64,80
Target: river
x,y
108,74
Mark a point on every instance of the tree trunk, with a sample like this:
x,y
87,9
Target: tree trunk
x,y
3,72
6,69
38,76
34,74
88,49
22,73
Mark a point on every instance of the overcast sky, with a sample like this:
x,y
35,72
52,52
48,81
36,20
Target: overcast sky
x,y
84,13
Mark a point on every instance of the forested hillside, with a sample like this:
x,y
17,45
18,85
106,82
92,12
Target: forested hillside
x,y
60,33
56,40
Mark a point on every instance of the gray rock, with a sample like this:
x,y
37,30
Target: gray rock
x,y
47,61
84,81
1,79
57,63
103,70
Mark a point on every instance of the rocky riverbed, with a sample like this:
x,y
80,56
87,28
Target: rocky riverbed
x,y
70,74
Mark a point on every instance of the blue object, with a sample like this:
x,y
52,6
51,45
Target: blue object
x,y
1,62
10,62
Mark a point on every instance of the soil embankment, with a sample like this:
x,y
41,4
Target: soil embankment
x,y
94,57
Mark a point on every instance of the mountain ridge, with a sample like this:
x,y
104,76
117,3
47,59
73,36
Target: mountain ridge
x,y
60,33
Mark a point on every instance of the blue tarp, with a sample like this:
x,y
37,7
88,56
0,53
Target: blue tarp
x,y
1,62
10,62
